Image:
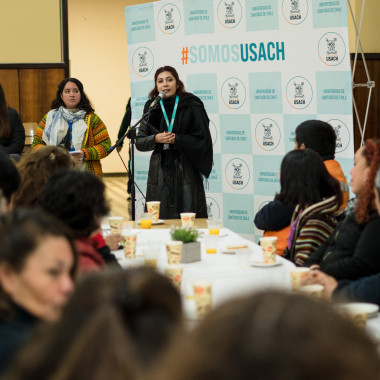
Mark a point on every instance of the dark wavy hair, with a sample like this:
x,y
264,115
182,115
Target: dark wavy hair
x,y
181,87
21,232
84,103
9,177
305,180
317,135
365,203
5,123
77,198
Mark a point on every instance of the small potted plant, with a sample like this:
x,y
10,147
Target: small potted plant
x,y
191,248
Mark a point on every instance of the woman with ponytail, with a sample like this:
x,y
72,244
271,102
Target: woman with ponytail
x,y
352,251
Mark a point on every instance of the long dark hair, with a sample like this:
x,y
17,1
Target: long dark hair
x,y
5,123
181,87
305,180
84,103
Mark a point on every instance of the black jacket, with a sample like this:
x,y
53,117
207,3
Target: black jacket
x,y
274,216
15,144
365,289
175,175
13,334
352,251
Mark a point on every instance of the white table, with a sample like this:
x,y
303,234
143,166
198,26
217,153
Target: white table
x,y
227,278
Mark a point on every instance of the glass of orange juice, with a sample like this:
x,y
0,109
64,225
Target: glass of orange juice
x,y
146,220
213,226
211,243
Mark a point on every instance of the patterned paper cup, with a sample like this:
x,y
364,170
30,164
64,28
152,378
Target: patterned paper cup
x,y
314,291
188,219
116,224
154,209
269,248
355,313
174,251
202,297
174,272
129,243
296,276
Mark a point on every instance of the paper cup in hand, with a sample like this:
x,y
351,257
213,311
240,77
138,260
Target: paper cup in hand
x,y
188,219
202,297
129,243
296,276
269,248
174,251
116,224
174,272
314,291
154,209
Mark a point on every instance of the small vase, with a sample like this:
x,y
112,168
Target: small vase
x,y
191,252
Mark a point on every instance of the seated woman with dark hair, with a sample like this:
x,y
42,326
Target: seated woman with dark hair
x,y
306,183
78,199
35,169
352,250
38,262
9,182
12,132
118,322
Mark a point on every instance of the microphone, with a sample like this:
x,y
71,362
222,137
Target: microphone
x,y
160,96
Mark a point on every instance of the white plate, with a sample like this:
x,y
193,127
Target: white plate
x,y
264,265
370,308
159,221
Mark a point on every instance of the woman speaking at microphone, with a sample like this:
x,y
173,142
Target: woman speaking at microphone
x,y
177,130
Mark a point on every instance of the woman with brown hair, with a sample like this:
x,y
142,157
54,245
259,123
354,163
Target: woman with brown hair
x,y
38,263
274,336
116,322
35,168
352,251
12,132
177,131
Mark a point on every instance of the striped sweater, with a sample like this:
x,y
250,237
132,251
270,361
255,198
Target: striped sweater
x,y
314,226
95,146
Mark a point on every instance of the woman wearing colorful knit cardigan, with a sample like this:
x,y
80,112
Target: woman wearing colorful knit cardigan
x,y
72,124
306,183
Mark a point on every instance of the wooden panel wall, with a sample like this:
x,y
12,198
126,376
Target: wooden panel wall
x,y
361,94
10,84
38,88
31,91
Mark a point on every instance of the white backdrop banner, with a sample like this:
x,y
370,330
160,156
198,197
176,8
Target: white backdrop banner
x,y
261,67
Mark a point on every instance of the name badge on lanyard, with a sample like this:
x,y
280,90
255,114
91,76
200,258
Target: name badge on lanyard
x,y
171,123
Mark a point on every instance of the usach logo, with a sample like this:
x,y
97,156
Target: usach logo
x,y
331,49
213,208
233,93
169,18
342,135
142,61
268,134
237,173
229,13
295,11
299,92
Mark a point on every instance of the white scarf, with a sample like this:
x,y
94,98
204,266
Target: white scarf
x,y
57,124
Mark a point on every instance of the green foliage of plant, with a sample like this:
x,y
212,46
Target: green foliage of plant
x,y
184,234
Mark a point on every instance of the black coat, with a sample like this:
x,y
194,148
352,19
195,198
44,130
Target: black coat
x,y
175,175
352,251
15,144
13,334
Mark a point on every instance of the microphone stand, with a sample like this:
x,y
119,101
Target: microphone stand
x,y
131,134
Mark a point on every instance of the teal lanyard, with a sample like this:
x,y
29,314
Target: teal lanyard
x,y
170,125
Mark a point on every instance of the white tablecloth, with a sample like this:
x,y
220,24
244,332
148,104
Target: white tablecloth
x,y
227,278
